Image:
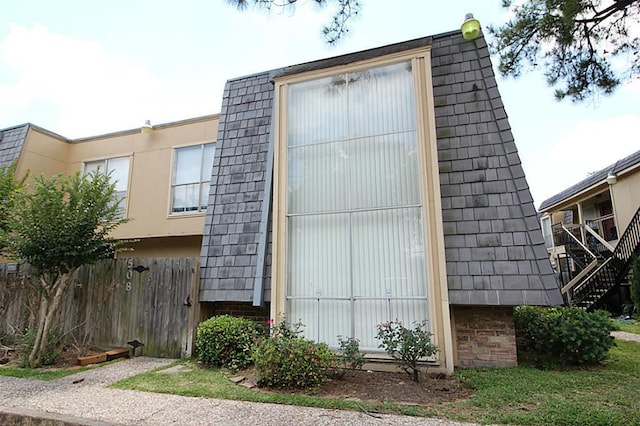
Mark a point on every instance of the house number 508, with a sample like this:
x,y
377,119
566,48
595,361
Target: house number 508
x,y
127,286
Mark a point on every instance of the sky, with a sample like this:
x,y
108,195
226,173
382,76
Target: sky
x,y
81,68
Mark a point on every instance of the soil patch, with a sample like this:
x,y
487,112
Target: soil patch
x,y
377,386
67,358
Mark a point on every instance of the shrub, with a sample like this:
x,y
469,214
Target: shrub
x,y
348,356
566,336
227,341
288,360
50,351
406,346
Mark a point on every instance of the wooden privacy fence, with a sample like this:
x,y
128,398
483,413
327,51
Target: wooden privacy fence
x,y
152,300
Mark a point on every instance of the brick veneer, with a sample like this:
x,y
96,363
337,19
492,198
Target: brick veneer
x,y
236,309
484,336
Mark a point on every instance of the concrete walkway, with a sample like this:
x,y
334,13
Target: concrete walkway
x,y
84,399
623,335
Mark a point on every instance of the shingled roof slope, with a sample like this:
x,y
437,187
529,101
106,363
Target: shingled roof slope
x,y
230,256
595,178
495,253
11,142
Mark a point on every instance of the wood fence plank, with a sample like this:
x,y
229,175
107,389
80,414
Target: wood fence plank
x,y
99,310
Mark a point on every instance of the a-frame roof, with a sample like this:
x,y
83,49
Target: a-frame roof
x,y
495,253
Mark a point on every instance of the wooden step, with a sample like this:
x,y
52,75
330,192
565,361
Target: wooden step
x,y
92,359
118,353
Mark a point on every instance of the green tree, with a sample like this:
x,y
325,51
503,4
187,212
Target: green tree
x,y
59,224
8,186
585,47
345,11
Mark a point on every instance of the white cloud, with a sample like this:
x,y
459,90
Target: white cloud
x,y
588,146
93,90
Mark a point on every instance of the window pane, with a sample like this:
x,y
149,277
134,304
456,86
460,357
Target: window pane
x,y
119,169
317,178
381,101
369,313
319,268
179,201
388,253
92,166
383,171
317,111
324,320
207,162
187,165
319,255
204,195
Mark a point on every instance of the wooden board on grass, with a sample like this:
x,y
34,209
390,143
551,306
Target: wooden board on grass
x,y
92,359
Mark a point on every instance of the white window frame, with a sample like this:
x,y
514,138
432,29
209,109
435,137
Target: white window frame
x,y
420,58
545,225
203,198
123,196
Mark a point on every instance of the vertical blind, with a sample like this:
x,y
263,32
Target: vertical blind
x,y
355,240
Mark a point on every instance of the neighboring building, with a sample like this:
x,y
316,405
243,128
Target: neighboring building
x,y
592,231
345,192
375,186
163,176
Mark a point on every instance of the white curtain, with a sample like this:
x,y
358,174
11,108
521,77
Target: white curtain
x,y
355,253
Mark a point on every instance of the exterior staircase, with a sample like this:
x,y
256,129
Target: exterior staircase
x,y
592,289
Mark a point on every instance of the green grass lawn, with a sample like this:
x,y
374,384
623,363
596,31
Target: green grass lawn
x,y
45,373
38,373
595,396
628,327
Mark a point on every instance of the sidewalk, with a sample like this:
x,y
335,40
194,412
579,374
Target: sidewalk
x,y
90,402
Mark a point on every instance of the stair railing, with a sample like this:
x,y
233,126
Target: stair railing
x,y
613,271
568,238
628,245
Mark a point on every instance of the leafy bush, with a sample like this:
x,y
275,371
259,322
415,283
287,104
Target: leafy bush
x,y
347,357
562,335
288,360
406,345
50,351
227,341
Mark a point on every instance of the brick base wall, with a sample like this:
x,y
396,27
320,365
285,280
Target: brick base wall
x,y
236,309
484,336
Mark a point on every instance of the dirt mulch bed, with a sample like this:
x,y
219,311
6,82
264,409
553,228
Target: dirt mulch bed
x,y
377,386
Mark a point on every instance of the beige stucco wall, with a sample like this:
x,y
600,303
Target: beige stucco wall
x,y
161,234
187,246
43,153
626,197
151,159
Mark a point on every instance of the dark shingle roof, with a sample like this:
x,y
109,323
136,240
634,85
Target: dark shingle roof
x,y
595,178
229,256
495,253
11,142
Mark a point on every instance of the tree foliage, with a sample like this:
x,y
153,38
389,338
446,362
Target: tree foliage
x,y
586,47
8,186
345,10
58,224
